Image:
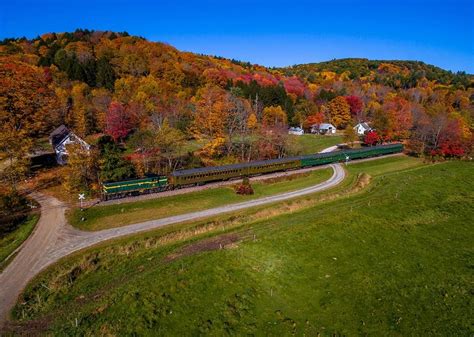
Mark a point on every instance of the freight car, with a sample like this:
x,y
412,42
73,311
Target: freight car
x,y
197,176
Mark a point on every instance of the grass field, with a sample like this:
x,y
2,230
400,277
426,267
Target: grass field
x,y
13,240
309,144
101,217
392,260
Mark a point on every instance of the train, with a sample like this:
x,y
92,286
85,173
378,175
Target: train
x,y
199,176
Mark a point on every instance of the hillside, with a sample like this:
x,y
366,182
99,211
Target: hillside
x,y
151,108
397,74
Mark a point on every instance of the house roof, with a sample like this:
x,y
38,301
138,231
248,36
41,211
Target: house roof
x,y
364,125
324,126
58,135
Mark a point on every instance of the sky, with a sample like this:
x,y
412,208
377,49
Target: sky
x,y
270,33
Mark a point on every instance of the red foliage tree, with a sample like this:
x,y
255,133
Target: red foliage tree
x,y
356,105
294,85
451,143
118,121
371,138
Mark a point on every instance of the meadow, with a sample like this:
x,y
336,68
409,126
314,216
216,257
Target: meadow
x,y
391,259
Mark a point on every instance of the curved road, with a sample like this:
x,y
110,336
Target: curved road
x,y
54,238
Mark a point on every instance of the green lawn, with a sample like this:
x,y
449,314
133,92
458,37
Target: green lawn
x,y
101,217
13,240
393,260
309,144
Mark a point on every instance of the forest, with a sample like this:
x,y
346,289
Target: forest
x,y
148,108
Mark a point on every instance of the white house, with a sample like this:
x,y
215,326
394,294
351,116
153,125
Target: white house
x,y
362,128
323,128
296,131
61,137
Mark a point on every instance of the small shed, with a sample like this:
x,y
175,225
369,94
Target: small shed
x,y
61,137
362,128
323,128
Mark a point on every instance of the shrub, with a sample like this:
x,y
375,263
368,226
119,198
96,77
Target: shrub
x,y
245,188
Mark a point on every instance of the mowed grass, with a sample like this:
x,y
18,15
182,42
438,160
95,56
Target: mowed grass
x,y
101,217
393,260
13,240
310,144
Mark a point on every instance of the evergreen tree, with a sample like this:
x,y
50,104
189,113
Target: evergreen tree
x,y
113,166
105,74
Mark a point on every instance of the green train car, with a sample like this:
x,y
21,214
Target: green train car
x,y
197,176
134,187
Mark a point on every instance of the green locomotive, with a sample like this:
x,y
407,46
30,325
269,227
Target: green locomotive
x,y
189,177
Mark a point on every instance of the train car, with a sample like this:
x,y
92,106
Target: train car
x,y
374,151
206,174
134,187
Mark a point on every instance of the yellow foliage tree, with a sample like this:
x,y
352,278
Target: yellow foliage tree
x,y
340,112
81,169
252,122
274,116
80,106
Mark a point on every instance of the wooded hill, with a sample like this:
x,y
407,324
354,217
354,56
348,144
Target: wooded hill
x,y
154,101
396,74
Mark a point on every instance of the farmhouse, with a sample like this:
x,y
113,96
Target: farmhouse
x,y
362,128
61,137
323,128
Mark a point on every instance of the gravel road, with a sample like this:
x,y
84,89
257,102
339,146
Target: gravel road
x,y
53,238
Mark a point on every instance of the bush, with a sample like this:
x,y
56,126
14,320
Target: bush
x,y
245,188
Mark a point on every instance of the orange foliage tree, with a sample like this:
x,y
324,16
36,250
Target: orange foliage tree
x,y
340,112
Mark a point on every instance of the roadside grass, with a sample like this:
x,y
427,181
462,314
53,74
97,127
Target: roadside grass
x,y
13,240
394,259
102,217
310,144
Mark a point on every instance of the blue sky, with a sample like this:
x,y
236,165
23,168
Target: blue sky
x,y
272,33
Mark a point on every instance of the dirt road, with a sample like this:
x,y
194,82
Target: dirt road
x,y
54,238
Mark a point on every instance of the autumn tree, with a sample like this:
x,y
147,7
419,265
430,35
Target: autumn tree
x,y
119,121
274,117
350,135
28,108
340,113
252,122
356,105
238,111
398,111
81,109
313,119
209,119
210,112
27,102
144,145
170,142
81,171
303,109
371,138
15,145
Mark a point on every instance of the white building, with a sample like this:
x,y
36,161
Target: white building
x,y
296,131
61,137
323,128
362,128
